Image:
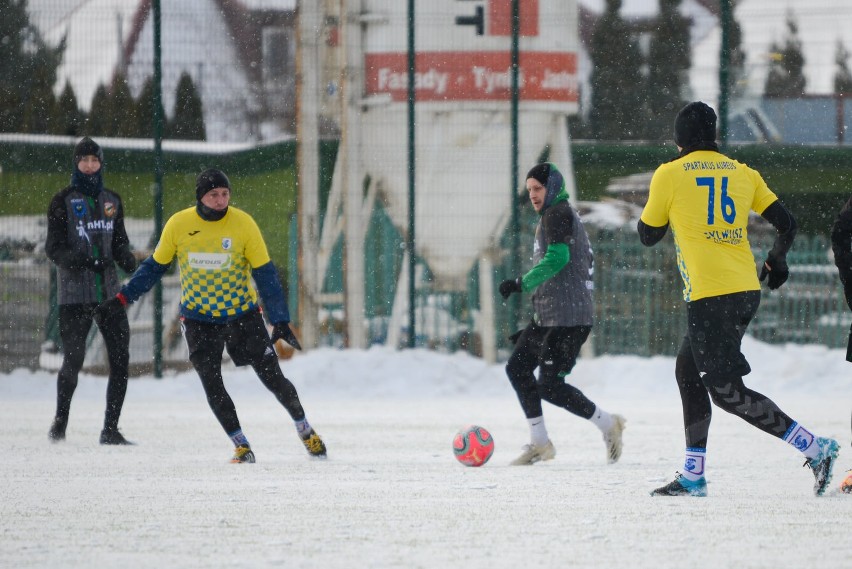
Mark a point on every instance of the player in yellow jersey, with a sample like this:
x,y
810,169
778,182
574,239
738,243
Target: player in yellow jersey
x,y
705,197
219,249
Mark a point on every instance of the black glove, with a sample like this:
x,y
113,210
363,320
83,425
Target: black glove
x,y
126,260
281,331
108,310
97,265
776,268
509,286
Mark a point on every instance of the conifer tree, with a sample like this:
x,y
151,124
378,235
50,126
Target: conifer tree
x,y
669,60
843,77
786,77
145,109
69,118
40,106
122,108
617,99
96,123
27,64
737,82
188,118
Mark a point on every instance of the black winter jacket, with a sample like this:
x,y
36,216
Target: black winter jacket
x,y
841,242
80,229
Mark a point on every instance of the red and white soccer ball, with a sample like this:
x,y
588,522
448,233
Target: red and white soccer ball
x,y
473,445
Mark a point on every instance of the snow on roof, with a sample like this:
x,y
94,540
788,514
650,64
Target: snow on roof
x,y
95,31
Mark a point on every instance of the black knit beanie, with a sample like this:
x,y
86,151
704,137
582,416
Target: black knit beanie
x,y
695,123
551,178
87,147
210,179
540,172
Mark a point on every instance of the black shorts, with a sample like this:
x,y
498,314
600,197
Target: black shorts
x,y
555,347
245,338
716,326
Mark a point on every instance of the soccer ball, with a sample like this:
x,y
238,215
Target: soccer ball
x,y
473,445
846,485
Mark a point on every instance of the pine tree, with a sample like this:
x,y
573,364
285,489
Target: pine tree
x,y
737,81
121,116
669,60
786,78
843,77
69,118
96,124
145,110
26,65
40,107
617,96
188,119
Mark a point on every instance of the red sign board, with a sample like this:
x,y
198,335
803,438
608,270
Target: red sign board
x,y
473,76
500,17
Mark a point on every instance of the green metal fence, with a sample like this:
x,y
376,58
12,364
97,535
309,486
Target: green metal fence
x,y
638,296
638,291
640,308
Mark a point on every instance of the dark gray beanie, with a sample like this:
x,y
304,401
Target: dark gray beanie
x,y
87,147
549,176
210,179
695,123
540,172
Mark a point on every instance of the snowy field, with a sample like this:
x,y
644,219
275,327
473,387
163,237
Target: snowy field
x,y
392,495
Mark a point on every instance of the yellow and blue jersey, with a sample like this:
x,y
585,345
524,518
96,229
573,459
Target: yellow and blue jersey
x,y
215,259
706,199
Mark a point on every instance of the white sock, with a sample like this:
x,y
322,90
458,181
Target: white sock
x,y
693,463
802,439
538,432
601,419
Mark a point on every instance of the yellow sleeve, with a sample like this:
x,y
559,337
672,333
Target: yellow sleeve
x,y
256,253
656,212
166,248
763,196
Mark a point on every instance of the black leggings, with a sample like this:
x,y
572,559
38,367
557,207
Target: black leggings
x,y
248,343
75,321
554,351
847,292
711,346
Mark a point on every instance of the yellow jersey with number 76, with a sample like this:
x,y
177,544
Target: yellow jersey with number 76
x,y
706,199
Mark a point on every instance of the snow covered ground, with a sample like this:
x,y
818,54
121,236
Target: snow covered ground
x,y
392,495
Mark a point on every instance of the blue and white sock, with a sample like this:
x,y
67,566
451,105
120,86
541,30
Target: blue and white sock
x,y
304,428
802,439
538,432
693,463
239,439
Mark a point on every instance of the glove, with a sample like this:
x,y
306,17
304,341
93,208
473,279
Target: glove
x,y
97,265
282,331
777,270
509,286
109,309
127,261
